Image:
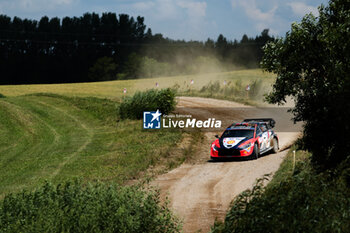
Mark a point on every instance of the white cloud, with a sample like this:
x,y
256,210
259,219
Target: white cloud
x,y
301,8
252,11
262,19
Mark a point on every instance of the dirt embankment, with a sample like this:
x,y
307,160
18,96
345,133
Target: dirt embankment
x,y
201,191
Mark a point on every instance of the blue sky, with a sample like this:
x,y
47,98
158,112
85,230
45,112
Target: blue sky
x,y
181,19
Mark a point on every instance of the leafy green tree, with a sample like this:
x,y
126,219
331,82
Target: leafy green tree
x,y
312,64
132,65
103,69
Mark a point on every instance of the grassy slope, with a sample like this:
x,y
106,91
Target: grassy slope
x,y
55,137
114,89
50,137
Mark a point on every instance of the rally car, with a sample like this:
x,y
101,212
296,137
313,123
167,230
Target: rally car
x,y
250,138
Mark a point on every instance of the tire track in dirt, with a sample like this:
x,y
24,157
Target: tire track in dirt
x,y
201,192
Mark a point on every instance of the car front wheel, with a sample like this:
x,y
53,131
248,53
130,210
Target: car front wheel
x,y
255,154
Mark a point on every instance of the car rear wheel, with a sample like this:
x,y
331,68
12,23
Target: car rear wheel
x,y
275,145
255,154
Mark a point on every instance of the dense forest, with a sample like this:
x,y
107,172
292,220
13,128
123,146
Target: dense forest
x,y
108,47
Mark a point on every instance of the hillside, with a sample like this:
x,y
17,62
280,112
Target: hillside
x,y
52,137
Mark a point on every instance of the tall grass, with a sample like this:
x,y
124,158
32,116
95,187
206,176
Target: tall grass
x,y
151,100
231,90
73,207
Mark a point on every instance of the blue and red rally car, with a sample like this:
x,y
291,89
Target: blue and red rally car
x,y
252,137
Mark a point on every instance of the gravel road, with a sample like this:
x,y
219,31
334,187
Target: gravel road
x,y
201,191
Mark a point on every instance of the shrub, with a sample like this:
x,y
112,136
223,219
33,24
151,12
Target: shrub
x,y
2,96
72,207
305,201
151,100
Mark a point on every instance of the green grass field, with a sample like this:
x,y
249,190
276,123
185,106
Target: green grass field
x,y
54,138
114,89
71,133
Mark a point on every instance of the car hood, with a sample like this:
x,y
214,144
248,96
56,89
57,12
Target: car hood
x,y
231,142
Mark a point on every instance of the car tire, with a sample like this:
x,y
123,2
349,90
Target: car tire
x,y
255,154
275,146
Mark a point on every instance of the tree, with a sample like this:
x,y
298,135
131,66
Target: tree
x,y
221,46
103,69
54,50
312,64
244,39
132,66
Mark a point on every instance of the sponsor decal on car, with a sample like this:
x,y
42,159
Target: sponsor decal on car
x,y
231,142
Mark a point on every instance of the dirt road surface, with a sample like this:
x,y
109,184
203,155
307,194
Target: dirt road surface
x,y
201,191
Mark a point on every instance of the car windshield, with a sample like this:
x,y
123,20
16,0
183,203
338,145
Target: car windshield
x,y
238,133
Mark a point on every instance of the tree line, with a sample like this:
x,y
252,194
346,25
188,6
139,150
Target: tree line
x,y
97,47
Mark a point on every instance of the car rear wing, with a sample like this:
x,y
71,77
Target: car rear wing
x,y
269,121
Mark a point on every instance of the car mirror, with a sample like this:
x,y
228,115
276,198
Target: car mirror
x,y
217,136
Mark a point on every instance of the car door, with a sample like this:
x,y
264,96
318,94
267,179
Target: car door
x,y
260,137
265,137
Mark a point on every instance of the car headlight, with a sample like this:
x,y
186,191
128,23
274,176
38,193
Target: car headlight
x,y
245,146
215,148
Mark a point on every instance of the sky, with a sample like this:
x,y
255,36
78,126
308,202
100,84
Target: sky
x,y
181,19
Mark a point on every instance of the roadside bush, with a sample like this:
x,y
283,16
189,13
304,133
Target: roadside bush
x,y
72,207
305,201
151,100
2,96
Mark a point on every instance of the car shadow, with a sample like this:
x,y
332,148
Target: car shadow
x,y
227,160
238,159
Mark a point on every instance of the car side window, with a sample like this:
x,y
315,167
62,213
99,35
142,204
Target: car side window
x,y
258,131
263,128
